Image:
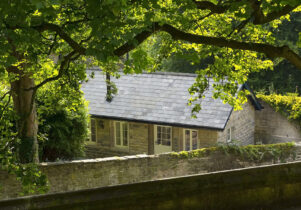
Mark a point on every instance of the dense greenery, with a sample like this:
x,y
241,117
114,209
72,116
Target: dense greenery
x,y
256,153
63,129
285,78
288,105
63,119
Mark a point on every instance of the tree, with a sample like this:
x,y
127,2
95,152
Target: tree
x,y
232,32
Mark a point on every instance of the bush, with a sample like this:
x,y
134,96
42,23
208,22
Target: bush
x,y
63,119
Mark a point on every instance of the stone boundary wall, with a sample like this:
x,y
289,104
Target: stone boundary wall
x,y
264,187
101,172
272,127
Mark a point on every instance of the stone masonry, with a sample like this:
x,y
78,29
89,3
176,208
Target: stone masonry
x,y
272,127
92,173
242,125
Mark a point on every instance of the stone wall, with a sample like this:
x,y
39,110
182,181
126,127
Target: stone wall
x,y
138,138
141,139
91,173
267,187
273,127
242,125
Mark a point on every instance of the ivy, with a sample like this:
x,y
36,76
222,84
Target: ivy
x,y
288,105
258,153
254,153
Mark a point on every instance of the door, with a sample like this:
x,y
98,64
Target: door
x,y
163,142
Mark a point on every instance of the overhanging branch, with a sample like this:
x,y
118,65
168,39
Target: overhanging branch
x,y
269,50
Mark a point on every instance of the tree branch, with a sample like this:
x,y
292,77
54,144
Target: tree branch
x,y
207,5
139,39
66,60
52,27
6,105
5,94
269,50
260,18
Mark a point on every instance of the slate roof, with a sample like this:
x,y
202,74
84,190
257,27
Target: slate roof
x,y
159,98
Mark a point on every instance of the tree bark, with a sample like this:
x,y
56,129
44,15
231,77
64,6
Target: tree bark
x,y
27,122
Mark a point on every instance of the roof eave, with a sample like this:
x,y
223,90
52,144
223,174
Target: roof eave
x,y
157,122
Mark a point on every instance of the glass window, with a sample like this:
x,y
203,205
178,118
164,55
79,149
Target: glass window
x,y
187,140
194,139
117,134
230,133
163,135
190,139
121,134
93,130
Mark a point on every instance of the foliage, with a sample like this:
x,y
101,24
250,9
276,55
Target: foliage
x,y
256,153
278,152
103,31
288,105
285,78
63,121
31,178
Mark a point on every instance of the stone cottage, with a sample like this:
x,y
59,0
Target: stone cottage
x,y
150,115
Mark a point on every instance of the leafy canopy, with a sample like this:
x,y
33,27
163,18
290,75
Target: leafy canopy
x,y
234,34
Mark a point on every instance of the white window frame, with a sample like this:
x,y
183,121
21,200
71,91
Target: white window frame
x,y
90,139
230,132
190,138
156,134
121,135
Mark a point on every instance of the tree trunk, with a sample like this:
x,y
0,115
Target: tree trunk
x,y
27,123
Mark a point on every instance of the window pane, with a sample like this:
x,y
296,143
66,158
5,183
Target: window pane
x,y
158,135
228,135
187,140
166,142
168,130
93,130
158,129
118,141
194,140
125,134
163,135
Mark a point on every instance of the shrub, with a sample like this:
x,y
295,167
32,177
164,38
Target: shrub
x,y
63,122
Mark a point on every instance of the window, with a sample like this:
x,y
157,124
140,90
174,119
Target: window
x,y
93,130
163,135
121,134
190,139
230,133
